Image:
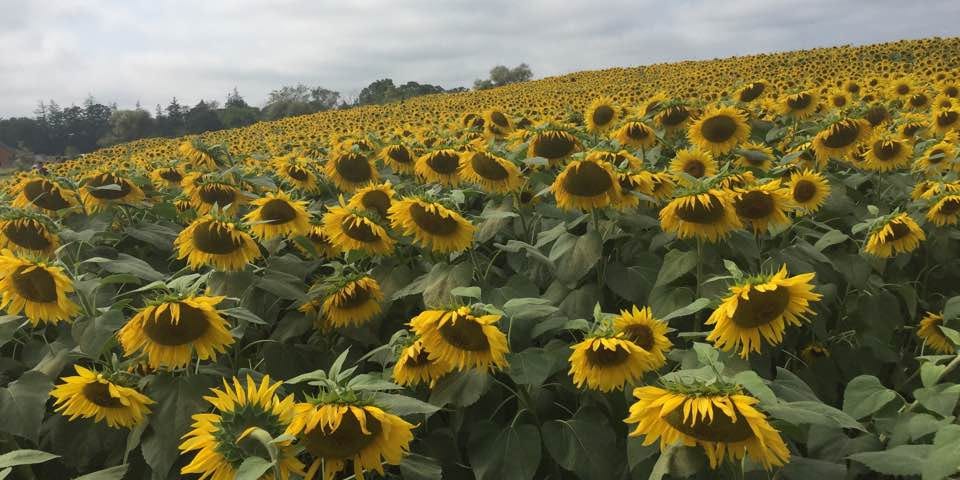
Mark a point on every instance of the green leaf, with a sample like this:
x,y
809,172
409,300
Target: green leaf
x,y
23,403
8,326
467,292
941,399
902,460
112,473
178,398
252,468
951,310
584,254
830,238
419,467
99,331
756,386
283,285
533,365
528,308
944,460
442,279
812,413
930,373
403,405
127,264
460,389
498,453
696,306
241,313
676,264
586,444
25,457
789,387
800,468
865,395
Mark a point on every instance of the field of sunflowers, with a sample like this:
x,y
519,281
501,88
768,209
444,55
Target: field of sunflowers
x,y
745,268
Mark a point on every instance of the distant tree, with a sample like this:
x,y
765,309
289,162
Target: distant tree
x,y
501,75
234,100
202,118
298,100
384,91
128,125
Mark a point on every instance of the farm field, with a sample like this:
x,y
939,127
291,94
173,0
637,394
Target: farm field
x,y
742,268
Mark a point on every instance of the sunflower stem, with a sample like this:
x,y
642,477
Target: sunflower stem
x,y
696,317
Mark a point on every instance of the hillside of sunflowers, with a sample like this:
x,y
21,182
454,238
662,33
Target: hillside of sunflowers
x,y
745,268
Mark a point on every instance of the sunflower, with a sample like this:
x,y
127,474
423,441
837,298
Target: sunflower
x,y
946,120
350,230
432,225
554,145
439,166
169,177
297,172
722,421
37,289
601,114
28,235
198,154
912,129
764,207
902,88
887,153
399,157
630,183
937,158
754,155
350,170
585,185
840,138
946,211
351,303
205,195
709,215
414,366
929,331
693,162
42,194
607,363
799,105
719,130
496,122
90,394
809,190
278,215
621,159
373,198
814,351
897,234
99,191
673,118
761,305
839,99
660,185
335,433
491,173
636,134
169,330
751,91
222,438
461,339
214,242
322,245
650,334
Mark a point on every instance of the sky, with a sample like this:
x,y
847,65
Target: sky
x,y
149,51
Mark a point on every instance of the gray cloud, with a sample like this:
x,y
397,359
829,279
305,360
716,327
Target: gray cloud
x,y
148,51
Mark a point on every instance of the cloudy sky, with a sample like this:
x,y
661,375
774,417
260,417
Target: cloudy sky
x,y
126,51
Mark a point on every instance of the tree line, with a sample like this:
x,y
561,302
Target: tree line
x,y
68,131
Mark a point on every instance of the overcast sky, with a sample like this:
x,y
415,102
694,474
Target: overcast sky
x,y
126,51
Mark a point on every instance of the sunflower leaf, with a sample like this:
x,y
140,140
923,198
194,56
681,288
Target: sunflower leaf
x,y
25,457
252,468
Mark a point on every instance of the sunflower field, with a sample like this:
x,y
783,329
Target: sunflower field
x,y
745,268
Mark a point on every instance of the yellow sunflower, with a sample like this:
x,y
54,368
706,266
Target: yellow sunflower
x,y
434,226
929,331
937,158
496,122
350,171
813,352
840,138
169,177
809,190
374,198
660,185
222,438
709,216
461,339
297,172
90,394
640,327
719,130
601,114
322,245
352,303
761,305
99,191
694,162
198,154
635,134
897,234
945,211
27,235
674,118
946,120
799,105
213,242
399,157
349,230
414,366
607,363
40,193
754,155
490,172
554,145
887,153
204,195
764,207
278,215
585,185
439,166
751,91
169,331
621,159
37,289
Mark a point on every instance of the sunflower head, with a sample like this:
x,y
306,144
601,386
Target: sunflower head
x,y
27,233
636,134
276,214
555,145
43,194
212,241
764,206
601,114
754,155
462,339
694,163
490,172
350,170
886,153
751,91
931,334
840,138
586,185
799,105
351,229
342,301
432,225
719,130
373,198
399,157
893,234
101,397
103,189
439,166
808,190
36,288
415,366
707,215
945,210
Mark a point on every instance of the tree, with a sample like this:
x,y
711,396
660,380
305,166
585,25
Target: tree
x,y
500,75
202,118
128,125
298,100
384,91
234,100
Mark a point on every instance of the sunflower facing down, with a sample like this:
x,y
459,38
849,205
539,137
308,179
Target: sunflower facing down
x,y
554,145
297,172
946,211
709,215
461,339
636,134
205,195
432,225
799,105
40,193
335,434
414,366
660,185
98,192
440,166
607,363
764,207
222,438
399,157
489,172
353,303
322,246
169,331
90,394
350,171
168,177
887,153
809,190
929,331
898,234
937,158
755,155
278,215
640,327
35,288
719,130
722,421
374,198
764,306
350,230
694,162
840,138
600,115
585,185
213,242
198,154
27,235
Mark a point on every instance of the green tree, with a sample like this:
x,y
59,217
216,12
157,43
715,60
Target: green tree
x,y
501,75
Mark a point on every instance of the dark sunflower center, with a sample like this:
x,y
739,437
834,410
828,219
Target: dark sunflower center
x,y
754,205
853,88
898,230
444,162
903,89
190,326
702,212
277,211
839,101
298,174
721,429
587,180
947,118
951,91
886,151
399,154
500,119
376,200
359,230
762,307
99,394
171,175
876,115
911,129
695,168
432,222
214,238
488,167
526,197
674,116
602,115
636,131
842,135
918,100
553,145
421,359
465,334
111,193
604,357
27,234
800,101
45,194
346,441
37,285
718,129
751,92
354,299
641,335
804,191
950,206
353,167
215,193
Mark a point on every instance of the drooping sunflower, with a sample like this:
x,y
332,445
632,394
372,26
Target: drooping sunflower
x,y
101,190
399,157
461,339
764,207
337,433
946,120
350,230
490,172
839,99
91,394
27,234
585,185
937,158
601,114
640,327
322,246
763,305
170,330
630,183
217,243
896,234
840,138
813,352
297,172
754,155
722,421
168,177
929,331
198,154
607,363
554,145
809,190
37,289
751,91
373,198
439,166
636,134
352,302
661,185
888,153
708,215
799,105
719,130
222,438
432,225
414,366
43,194
496,122
674,117
278,215
207,194
945,211
350,170
620,159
